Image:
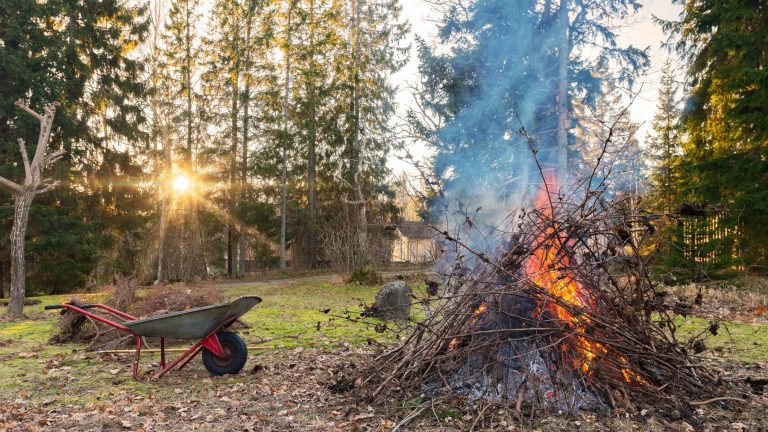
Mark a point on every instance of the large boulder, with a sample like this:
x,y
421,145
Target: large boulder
x,y
393,301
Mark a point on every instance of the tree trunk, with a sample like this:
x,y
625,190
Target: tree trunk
x,y
191,266
563,113
231,228
362,227
33,185
246,123
312,150
21,206
284,170
165,178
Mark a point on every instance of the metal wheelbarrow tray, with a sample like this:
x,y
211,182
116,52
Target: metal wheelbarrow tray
x,y
224,352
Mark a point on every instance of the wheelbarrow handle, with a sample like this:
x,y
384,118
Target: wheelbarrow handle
x,y
58,306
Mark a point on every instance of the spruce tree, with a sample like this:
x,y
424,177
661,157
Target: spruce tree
x,y
725,123
87,66
505,71
664,144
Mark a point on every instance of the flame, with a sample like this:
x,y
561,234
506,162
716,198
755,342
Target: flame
x,y
549,267
454,343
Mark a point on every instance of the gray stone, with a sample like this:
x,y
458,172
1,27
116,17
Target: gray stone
x,y
393,301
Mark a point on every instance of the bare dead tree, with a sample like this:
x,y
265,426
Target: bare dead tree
x,y
24,194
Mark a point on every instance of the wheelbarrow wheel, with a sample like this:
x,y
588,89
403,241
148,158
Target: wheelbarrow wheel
x,y
235,355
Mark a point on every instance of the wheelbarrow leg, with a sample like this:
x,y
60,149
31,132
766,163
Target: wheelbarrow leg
x,y
162,352
189,359
136,360
211,342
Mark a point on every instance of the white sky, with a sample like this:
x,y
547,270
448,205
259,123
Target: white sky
x,y
639,30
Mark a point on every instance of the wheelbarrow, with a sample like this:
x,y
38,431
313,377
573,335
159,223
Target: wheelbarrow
x,y
224,352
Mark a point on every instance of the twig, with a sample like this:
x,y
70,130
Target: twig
x,y
717,399
415,413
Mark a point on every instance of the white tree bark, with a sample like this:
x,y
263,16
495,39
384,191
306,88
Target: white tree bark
x,y
24,194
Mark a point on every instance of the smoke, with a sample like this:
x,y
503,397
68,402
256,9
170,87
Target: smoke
x,y
499,77
494,79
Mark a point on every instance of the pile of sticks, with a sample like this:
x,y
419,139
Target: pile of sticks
x,y
565,305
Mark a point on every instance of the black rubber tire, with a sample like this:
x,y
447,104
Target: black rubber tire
x,y
235,349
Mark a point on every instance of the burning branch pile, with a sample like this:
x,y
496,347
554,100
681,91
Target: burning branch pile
x,y
563,316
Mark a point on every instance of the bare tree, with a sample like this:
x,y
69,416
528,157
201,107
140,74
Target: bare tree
x,y
23,195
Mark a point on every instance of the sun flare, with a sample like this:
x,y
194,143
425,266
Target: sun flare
x,y
181,184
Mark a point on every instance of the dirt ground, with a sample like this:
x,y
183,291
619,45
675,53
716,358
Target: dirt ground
x,y
310,380
308,390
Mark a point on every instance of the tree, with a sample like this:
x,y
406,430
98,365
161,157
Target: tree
x,y
86,64
605,135
371,53
34,184
287,55
664,145
182,60
513,65
725,122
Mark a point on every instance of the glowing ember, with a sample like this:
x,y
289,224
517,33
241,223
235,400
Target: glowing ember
x,y
472,321
549,267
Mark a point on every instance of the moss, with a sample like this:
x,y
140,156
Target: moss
x,y
365,276
58,375
739,341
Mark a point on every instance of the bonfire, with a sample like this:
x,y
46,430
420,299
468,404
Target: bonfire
x,y
562,315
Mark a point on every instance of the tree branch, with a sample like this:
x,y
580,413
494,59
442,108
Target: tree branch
x,y
50,158
15,187
24,156
47,187
21,105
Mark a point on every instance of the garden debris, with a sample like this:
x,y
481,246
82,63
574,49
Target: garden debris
x,y
75,327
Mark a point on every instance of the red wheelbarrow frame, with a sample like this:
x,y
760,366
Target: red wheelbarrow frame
x,y
210,341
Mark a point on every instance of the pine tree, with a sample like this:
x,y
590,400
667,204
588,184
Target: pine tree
x,y
605,142
182,59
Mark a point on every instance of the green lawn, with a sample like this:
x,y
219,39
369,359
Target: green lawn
x,y
739,341
289,317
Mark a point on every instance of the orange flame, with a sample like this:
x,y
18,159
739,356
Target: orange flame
x,y
454,343
549,267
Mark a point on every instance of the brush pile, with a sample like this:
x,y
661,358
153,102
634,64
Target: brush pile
x,y
75,327
562,316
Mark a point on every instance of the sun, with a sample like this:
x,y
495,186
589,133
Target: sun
x,y
181,184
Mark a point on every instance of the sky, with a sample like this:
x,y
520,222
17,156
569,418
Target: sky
x,y
638,30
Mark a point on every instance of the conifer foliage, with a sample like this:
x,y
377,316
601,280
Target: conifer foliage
x,y
724,159
183,121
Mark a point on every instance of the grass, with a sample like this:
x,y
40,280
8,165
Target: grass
x,y
739,341
290,317
293,311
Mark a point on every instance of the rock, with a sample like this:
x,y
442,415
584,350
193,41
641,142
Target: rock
x,y
669,279
433,282
393,301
